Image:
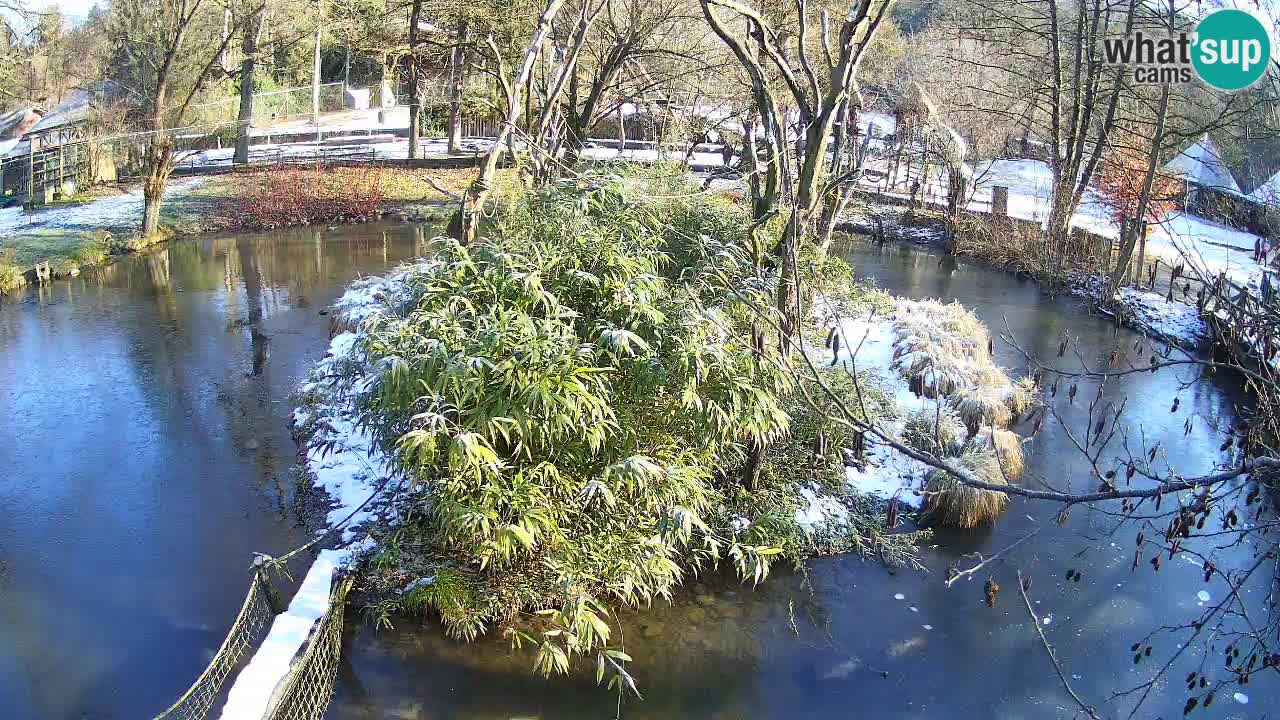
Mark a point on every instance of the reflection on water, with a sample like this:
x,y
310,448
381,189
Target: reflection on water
x,y
146,454
856,651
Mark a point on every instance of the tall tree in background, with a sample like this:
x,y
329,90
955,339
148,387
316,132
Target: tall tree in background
x,y
415,77
253,25
820,97
457,81
164,54
315,65
1049,55
629,34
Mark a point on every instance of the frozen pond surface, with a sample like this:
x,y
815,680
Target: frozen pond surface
x,y
146,455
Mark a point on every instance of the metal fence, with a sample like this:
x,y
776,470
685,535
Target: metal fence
x,y
274,105
309,687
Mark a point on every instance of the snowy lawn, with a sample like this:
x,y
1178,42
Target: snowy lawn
x,y
74,235
1210,247
1207,246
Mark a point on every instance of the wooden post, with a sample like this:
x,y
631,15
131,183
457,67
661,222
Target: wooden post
x,y
1000,200
1140,227
31,175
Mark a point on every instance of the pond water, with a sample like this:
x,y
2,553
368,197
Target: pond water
x,y
834,641
146,456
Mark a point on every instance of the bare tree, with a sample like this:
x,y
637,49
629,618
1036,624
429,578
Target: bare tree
x,y
252,32
457,81
415,78
818,103
465,224
164,57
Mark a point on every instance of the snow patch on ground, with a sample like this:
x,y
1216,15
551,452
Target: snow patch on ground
x,y
1150,312
818,510
121,212
342,454
1208,247
1169,320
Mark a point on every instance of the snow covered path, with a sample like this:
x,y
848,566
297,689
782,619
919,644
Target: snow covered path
x,y
117,213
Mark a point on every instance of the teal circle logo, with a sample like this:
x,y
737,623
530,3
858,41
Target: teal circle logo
x,y
1232,49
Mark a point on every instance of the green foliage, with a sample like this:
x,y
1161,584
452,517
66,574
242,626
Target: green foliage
x,y
571,399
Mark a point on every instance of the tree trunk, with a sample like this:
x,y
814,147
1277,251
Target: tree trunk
x,y
465,225
1144,200
1139,270
248,66
1059,221
834,202
153,186
788,299
415,82
315,68
755,463
831,212
457,77
622,129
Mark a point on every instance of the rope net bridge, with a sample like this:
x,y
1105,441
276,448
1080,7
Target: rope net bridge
x,y
305,690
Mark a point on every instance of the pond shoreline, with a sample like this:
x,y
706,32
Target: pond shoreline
x,y
1144,312
187,226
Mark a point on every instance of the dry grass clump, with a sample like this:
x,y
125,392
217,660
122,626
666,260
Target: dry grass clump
x,y
945,350
1005,445
1025,395
939,347
1019,245
939,433
10,271
982,405
954,504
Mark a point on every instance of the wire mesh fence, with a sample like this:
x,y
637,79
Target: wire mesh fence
x,y
309,687
245,634
274,105
305,691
